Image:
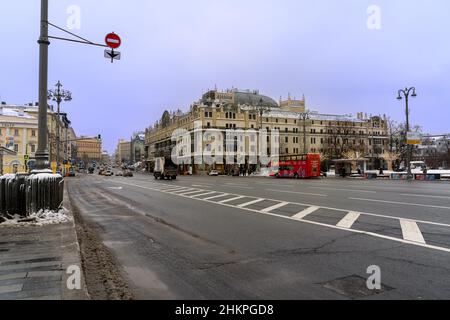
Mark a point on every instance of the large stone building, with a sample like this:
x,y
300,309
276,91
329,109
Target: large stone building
x,y
19,132
123,152
89,149
137,147
335,137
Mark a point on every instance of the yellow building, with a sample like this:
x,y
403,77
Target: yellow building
x,y
89,149
19,130
301,130
123,151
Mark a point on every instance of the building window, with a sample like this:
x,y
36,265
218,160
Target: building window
x,y
286,139
16,132
33,133
16,148
33,148
208,125
287,150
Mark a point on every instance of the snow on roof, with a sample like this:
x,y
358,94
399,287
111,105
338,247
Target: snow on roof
x,y
12,111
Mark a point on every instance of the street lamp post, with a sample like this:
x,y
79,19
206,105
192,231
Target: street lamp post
x,y
59,95
406,92
304,116
42,151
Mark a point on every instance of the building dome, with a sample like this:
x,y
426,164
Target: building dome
x,y
254,98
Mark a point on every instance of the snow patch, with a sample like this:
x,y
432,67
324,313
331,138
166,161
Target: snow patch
x,y
41,218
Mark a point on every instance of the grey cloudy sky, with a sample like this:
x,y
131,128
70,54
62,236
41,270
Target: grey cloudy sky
x,y
174,50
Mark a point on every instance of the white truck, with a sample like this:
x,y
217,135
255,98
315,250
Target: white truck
x,y
165,169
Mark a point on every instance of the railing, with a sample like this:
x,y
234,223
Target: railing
x,y
24,194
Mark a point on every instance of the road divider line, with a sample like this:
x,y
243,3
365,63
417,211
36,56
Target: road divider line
x,y
411,231
423,196
348,221
250,203
302,214
232,199
218,196
340,189
276,206
296,192
402,203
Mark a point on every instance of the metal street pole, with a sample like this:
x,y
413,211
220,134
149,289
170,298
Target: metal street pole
x,y
42,150
406,92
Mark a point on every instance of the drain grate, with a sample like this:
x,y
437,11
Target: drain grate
x,y
353,287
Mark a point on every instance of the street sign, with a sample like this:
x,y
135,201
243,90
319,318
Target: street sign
x,y
113,55
26,157
414,138
113,41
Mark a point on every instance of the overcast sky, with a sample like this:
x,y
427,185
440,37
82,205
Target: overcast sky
x,y
174,50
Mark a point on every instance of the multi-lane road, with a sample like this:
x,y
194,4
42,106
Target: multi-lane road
x,y
250,237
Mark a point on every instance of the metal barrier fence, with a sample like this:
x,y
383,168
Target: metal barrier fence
x,y
23,194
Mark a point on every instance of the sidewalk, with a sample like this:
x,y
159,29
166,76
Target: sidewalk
x,y
34,260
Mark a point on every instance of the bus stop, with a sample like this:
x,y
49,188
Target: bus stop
x,y
347,167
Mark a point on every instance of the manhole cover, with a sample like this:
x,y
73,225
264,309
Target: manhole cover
x,y
354,287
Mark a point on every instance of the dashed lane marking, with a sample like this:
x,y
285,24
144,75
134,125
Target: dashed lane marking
x,y
231,199
302,214
409,227
202,194
349,220
251,202
411,231
274,207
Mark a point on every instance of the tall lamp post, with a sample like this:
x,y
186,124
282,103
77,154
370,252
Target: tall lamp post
x,y
42,151
59,95
406,93
304,116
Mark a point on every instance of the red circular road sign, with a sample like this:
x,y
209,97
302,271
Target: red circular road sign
x,y
113,41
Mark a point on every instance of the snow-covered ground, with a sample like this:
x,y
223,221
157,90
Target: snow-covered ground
x,y
40,218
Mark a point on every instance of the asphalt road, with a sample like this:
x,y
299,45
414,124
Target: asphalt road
x,y
259,238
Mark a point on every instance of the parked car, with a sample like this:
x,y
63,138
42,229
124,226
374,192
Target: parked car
x,y
127,173
108,173
214,173
91,170
119,173
71,172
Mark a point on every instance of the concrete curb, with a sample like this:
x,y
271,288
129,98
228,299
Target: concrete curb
x,y
71,256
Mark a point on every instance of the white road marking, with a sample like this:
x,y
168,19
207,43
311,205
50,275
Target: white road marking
x,y
250,203
232,199
423,196
172,188
218,196
295,192
304,213
276,206
418,244
192,192
349,220
182,191
202,185
202,194
115,188
340,189
411,231
402,203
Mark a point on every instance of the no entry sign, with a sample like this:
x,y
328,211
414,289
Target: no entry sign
x,y
113,41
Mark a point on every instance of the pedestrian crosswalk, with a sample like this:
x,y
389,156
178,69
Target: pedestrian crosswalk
x,y
437,235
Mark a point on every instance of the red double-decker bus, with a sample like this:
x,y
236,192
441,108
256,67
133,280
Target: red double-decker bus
x,y
297,167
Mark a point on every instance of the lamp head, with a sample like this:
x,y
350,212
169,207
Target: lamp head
x,y
414,93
